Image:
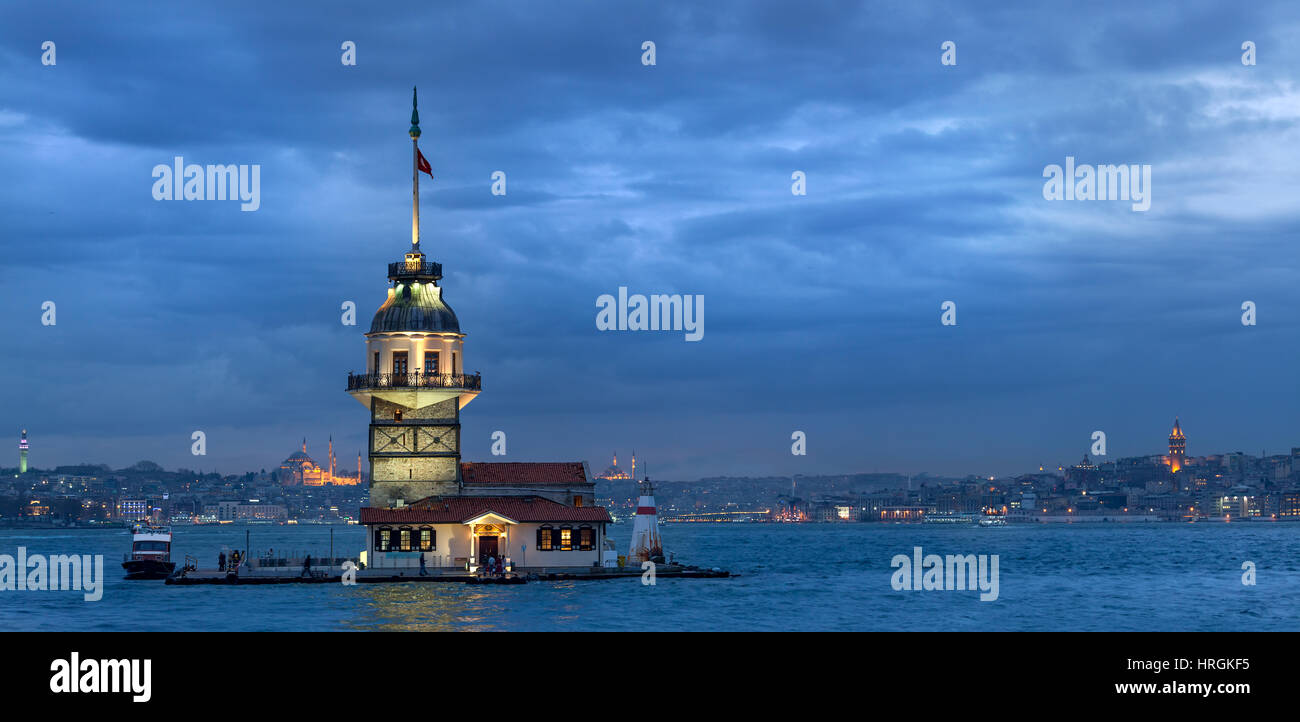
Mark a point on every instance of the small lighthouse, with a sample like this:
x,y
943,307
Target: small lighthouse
x,y
646,544
22,454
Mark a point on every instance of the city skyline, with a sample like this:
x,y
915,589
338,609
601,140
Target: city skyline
x,y
924,185
1173,456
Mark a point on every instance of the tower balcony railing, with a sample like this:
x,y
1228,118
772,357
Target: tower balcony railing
x,y
415,380
423,269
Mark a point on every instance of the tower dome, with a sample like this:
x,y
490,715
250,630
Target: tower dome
x,y
413,305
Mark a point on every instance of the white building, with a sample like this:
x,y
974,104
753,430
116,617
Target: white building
x,y
458,532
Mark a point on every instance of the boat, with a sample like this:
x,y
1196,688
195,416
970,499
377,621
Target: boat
x,y
151,553
944,517
993,517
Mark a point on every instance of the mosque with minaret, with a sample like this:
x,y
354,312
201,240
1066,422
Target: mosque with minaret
x,y
426,506
302,470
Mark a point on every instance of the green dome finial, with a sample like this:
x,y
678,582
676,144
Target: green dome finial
x,y
415,116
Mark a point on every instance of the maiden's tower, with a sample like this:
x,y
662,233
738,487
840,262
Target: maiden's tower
x,y
426,505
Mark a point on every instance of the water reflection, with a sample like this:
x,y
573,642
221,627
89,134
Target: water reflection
x,y
427,607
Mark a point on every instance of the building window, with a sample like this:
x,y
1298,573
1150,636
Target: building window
x,y
453,363
566,539
399,363
404,540
427,540
431,362
397,414
586,539
383,540
577,500
545,542
375,369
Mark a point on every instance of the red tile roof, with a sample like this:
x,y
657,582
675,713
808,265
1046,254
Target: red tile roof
x,y
516,473
460,509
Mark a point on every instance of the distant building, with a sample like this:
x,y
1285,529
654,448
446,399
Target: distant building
x,y
22,454
1288,506
614,473
1177,458
302,470
1238,505
903,513
244,511
132,510
1082,475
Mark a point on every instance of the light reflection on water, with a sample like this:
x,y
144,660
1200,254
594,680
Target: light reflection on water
x,y
428,607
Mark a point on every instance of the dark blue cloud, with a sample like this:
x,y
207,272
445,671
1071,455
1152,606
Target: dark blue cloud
x,y
822,312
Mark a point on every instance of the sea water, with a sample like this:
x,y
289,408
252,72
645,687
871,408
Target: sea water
x,y
1162,577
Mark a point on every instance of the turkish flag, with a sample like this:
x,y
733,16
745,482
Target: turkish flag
x,y
422,163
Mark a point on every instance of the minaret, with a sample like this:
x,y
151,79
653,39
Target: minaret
x,y
1177,448
333,466
22,453
646,545
634,463
414,384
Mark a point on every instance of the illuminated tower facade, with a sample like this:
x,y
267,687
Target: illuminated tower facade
x,y
1177,448
22,453
414,384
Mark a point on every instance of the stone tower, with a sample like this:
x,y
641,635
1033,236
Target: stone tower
x,y
414,383
1177,448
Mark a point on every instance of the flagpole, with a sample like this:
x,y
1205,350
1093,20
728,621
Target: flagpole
x,y
415,174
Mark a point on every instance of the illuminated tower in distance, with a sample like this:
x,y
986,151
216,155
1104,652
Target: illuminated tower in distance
x,y
22,454
1177,448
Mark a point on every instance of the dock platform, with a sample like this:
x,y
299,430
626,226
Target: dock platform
x,y
193,577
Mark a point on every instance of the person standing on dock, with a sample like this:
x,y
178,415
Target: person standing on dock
x,y
306,567
221,562
424,572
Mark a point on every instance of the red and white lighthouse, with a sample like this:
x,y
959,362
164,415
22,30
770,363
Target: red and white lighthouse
x,y
646,544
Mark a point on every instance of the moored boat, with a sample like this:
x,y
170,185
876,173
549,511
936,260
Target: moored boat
x,y
151,553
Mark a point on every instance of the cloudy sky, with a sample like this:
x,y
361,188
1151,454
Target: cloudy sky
x,y
924,185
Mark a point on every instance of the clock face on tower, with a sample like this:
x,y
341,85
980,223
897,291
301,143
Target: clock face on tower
x,y
411,439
